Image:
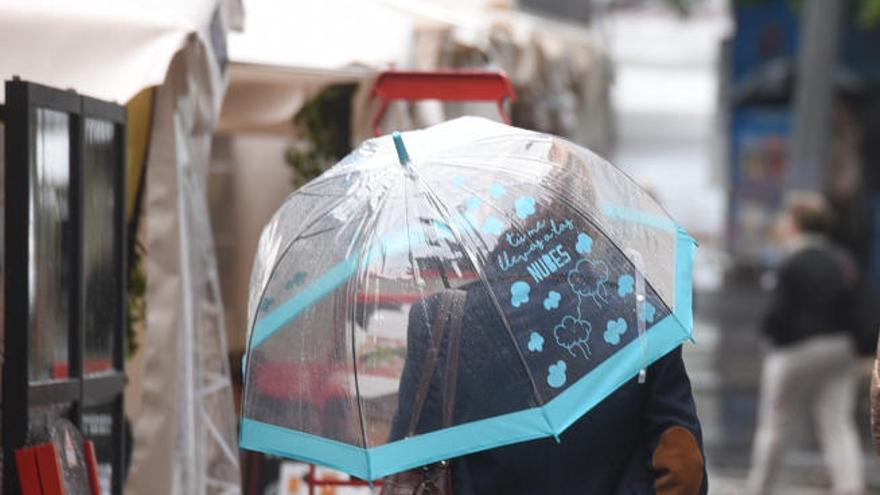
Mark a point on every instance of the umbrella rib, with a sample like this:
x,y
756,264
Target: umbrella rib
x,y
444,211
368,230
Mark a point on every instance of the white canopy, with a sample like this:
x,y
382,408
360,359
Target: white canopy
x,y
289,51
107,49
328,35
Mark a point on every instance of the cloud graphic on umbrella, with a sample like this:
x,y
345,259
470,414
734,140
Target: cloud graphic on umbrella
x,y
613,330
552,300
556,374
573,335
497,191
493,226
525,207
584,244
648,313
536,342
588,278
625,285
519,293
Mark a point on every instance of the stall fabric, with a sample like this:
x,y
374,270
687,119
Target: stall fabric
x,y
185,433
338,42
560,70
106,49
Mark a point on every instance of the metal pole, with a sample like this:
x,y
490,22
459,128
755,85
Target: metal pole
x,y
814,94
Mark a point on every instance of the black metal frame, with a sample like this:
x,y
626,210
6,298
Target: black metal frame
x,y
19,394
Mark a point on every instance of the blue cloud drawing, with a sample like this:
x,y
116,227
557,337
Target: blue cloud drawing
x,y
625,285
536,342
574,334
588,279
458,181
556,374
472,219
473,202
493,226
497,191
266,304
443,230
613,330
649,313
525,207
552,300
519,293
584,244
298,279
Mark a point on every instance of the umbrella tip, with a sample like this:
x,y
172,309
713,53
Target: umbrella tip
x,y
402,154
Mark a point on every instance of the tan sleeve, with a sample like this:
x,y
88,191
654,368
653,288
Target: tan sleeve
x,y
678,463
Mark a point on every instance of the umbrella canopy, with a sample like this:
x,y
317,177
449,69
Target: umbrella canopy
x,y
569,281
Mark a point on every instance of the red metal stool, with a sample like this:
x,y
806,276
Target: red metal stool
x,y
39,469
449,85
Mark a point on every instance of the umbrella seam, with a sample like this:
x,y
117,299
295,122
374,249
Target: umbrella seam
x,y
368,228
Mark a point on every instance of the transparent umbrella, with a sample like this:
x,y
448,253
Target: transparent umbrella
x,y
451,290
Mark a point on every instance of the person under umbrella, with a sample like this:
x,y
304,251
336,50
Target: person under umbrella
x,y
644,438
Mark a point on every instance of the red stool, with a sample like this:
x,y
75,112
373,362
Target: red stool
x,y
449,85
39,469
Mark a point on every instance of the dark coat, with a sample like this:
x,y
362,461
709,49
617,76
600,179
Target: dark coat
x,y
642,439
813,296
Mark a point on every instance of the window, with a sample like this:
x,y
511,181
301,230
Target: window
x,y
64,260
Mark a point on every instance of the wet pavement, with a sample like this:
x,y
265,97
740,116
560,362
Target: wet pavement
x,y
725,367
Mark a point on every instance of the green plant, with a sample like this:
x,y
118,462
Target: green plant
x,y
324,124
869,13
137,291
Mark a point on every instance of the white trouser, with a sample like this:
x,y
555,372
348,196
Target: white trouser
x,y
819,373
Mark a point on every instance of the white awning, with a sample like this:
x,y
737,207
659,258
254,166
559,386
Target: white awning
x,y
108,49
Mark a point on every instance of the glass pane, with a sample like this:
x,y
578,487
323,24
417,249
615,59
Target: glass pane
x,y
40,418
49,240
100,275
98,427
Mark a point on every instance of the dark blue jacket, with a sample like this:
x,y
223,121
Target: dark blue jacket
x,y
813,296
642,439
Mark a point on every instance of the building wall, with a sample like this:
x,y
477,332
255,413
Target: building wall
x,y
249,180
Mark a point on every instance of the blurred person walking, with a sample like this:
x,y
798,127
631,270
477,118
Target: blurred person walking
x,y
811,362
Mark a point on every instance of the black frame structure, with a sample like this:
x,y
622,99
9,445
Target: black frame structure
x,y
78,388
